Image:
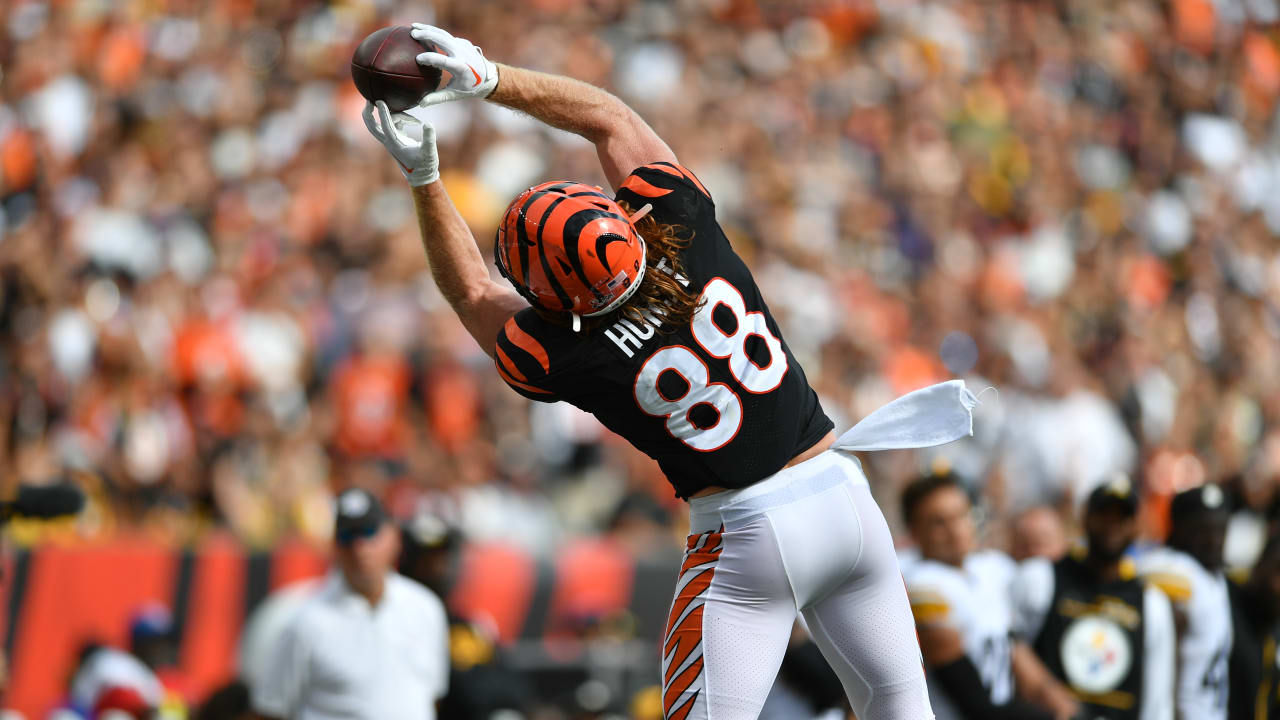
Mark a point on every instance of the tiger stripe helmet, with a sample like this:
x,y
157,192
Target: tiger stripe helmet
x,y
568,247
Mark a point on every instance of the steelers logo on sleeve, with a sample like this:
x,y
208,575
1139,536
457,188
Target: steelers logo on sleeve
x,y
1096,655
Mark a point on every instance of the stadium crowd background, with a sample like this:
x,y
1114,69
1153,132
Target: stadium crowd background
x,y
215,310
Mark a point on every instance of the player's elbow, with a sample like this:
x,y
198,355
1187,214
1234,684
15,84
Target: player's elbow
x,y
483,310
468,305
617,124
477,297
629,144
606,118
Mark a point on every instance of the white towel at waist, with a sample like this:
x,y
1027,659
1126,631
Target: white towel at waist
x,y
930,416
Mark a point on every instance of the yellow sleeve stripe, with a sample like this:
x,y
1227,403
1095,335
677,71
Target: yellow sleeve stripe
x,y
928,607
1175,586
927,613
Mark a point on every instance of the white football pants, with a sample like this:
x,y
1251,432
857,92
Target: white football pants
x,y
809,539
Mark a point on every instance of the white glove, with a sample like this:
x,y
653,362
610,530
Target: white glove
x,y
418,159
473,75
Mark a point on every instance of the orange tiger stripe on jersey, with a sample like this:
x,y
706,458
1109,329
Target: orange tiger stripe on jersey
x,y
679,171
522,386
527,343
504,363
640,186
667,168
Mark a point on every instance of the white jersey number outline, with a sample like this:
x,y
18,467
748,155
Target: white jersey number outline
x,y
752,377
717,343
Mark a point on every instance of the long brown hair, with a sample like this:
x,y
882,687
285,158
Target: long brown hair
x,y
660,293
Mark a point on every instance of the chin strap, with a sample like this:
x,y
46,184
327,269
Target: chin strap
x,y
644,210
577,321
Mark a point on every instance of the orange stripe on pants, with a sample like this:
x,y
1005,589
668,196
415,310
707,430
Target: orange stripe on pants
x,y
682,660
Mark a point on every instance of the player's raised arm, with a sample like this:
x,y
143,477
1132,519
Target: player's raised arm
x,y
457,266
623,140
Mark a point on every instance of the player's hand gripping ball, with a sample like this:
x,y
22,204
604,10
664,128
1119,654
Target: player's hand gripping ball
x,y
472,75
412,142
385,67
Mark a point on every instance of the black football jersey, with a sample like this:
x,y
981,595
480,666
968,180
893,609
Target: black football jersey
x,y
720,401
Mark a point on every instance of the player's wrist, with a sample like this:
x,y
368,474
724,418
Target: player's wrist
x,y
422,177
508,78
426,169
494,73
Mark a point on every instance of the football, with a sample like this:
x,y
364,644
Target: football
x,y
385,67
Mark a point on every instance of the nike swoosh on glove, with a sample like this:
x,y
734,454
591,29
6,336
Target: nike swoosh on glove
x,y
473,75
417,158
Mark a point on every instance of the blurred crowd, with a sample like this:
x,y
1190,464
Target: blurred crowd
x,y
215,310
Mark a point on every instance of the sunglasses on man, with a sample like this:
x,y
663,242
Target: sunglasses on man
x,y
348,536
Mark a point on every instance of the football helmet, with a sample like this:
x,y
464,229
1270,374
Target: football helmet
x,y
568,247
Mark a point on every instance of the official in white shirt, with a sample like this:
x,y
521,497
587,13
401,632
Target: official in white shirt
x,y
370,644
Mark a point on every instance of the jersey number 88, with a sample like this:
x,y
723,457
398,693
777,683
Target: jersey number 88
x,y
715,342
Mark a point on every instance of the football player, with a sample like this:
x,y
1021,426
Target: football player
x,y
1098,628
634,307
1189,571
960,599
1255,651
